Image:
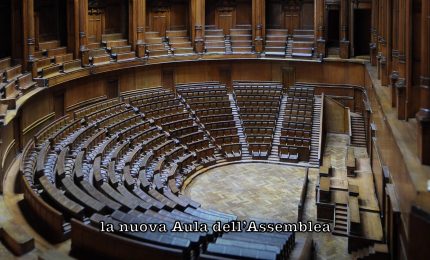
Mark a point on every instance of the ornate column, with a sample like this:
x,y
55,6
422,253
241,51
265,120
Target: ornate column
x,y
258,24
29,36
344,42
423,116
76,41
138,27
394,76
374,33
320,28
83,31
401,63
198,25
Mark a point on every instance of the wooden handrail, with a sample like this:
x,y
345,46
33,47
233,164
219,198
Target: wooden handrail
x,y
349,123
320,141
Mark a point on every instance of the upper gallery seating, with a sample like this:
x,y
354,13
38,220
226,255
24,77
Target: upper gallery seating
x,y
258,105
210,102
179,41
214,40
303,43
156,45
297,127
241,39
119,161
113,47
276,41
52,59
13,84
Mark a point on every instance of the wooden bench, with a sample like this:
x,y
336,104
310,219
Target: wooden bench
x,y
16,238
350,162
60,200
26,83
353,190
232,151
354,216
93,192
325,171
73,191
324,189
260,150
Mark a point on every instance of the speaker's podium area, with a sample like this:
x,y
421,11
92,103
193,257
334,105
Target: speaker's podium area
x,y
125,123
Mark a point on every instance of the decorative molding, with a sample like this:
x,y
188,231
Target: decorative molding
x,y
37,123
6,152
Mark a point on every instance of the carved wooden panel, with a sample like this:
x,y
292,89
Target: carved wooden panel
x,y
160,21
291,19
225,18
95,26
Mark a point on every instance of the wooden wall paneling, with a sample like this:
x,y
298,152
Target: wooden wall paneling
x,y
146,77
17,33
158,17
419,226
274,16
47,14
225,77
112,88
179,15
8,149
168,78
291,17
254,71
92,87
127,80
210,12
307,15
116,17
58,104
288,77
225,17
35,113
244,11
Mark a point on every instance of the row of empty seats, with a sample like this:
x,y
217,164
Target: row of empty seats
x,y
51,59
123,161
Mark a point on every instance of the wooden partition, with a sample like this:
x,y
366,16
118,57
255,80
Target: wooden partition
x,y
337,117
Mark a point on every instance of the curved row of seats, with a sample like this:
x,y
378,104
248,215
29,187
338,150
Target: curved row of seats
x,y
124,161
